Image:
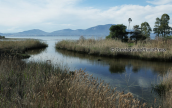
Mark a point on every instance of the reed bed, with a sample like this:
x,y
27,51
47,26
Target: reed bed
x,y
21,45
164,88
104,47
40,84
91,46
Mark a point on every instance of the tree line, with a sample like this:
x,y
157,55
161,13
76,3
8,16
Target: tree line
x,y
162,29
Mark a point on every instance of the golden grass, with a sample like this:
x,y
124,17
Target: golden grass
x,y
103,47
91,45
21,45
166,81
39,84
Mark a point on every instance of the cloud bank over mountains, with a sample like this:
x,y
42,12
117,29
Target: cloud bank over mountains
x,y
51,15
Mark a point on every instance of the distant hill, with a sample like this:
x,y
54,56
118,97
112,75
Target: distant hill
x,y
97,30
32,32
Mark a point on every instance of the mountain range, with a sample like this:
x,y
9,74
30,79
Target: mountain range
x,y
99,30
102,30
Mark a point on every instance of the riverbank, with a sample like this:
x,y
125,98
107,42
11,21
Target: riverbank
x,y
19,47
40,84
164,88
154,50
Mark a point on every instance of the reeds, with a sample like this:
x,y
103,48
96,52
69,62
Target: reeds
x,y
18,48
164,89
91,46
39,84
21,45
104,47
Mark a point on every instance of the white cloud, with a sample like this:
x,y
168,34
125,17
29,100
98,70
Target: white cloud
x,y
160,2
51,15
26,13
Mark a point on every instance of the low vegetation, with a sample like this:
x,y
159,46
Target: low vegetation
x,y
104,47
19,47
92,46
2,37
164,89
39,84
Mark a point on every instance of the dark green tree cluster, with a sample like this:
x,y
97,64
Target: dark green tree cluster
x,y
145,29
2,37
162,29
137,34
141,33
117,32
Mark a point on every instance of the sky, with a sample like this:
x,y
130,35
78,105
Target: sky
x,y
53,15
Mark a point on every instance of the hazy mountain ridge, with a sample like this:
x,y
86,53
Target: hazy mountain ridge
x,y
99,30
32,32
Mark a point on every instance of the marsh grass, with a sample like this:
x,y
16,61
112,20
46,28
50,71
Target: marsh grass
x,y
91,46
40,84
103,47
164,89
21,45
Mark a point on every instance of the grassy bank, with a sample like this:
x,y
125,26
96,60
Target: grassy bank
x,y
18,48
103,47
39,84
164,88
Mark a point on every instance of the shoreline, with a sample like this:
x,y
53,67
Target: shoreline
x,y
19,46
101,48
18,39
122,55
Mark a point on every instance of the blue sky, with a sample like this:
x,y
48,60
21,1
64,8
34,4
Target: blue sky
x,y
52,15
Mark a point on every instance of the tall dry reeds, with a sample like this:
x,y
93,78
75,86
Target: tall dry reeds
x,y
21,45
92,46
39,84
166,85
103,47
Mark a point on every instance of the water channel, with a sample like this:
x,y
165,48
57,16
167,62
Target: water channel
x,y
128,75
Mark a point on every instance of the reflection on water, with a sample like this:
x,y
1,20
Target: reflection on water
x,y
127,75
35,52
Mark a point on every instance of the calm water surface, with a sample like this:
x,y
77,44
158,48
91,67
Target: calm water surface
x,y
127,75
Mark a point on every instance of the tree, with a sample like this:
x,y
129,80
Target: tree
x,y
136,28
137,35
146,29
165,29
157,29
118,32
2,37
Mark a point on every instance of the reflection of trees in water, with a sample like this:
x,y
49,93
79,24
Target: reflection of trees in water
x,y
135,69
156,67
36,51
117,68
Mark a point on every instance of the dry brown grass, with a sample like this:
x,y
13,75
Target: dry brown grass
x,y
39,84
103,47
167,82
92,46
21,45
158,43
